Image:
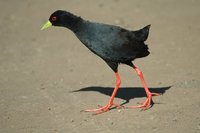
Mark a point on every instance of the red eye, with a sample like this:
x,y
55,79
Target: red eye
x,y
53,18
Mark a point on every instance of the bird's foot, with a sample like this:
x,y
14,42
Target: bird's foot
x,y
147,104
103,109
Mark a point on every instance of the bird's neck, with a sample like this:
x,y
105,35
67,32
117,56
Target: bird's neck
x,y
72,22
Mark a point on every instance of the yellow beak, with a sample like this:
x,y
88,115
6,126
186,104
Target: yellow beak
x,y
46,25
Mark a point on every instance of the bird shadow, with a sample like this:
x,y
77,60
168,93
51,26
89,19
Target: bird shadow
x,y
125,93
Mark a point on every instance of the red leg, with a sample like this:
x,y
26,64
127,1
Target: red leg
x,y
148,101
110,103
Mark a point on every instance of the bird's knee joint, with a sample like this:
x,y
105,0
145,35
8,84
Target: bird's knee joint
x,y
118,82
138,72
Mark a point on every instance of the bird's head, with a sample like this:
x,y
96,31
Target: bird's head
x,y
61,18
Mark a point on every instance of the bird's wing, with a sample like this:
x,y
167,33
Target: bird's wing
x,y
111,42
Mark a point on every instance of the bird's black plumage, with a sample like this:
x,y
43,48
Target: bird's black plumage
x,y
112,43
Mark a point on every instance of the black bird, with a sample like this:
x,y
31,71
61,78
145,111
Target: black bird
x,y
113,44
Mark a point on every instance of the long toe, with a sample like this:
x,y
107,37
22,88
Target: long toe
x,y
102,109
99,110
145,105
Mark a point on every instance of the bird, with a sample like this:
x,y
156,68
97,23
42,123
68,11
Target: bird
x,y
114,44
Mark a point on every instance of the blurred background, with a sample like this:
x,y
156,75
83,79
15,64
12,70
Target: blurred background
x,y
40,69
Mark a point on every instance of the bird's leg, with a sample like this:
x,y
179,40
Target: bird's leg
x,y
148,102
110,103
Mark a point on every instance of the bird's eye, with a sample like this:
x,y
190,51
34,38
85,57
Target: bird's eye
x,y
53,18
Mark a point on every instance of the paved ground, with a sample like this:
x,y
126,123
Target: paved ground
x,y
40,70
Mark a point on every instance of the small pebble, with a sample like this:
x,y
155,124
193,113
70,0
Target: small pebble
x,y
174,119
101,5
154,128
42,88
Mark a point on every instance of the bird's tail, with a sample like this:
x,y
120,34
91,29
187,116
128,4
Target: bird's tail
x,y
142,50
142,34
